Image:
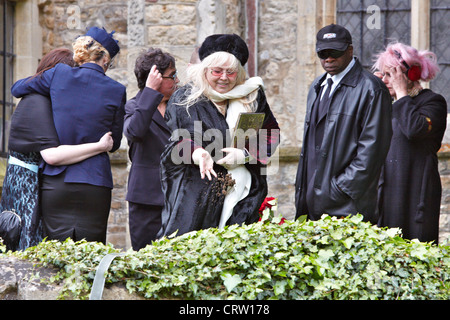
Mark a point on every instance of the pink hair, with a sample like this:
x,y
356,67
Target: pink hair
x,y
425,59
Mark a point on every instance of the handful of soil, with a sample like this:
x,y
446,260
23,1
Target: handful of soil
x,y
222,184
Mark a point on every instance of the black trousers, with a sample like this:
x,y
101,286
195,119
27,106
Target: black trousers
x,y
144,222
74,210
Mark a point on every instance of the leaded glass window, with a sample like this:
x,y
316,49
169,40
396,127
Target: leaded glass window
x,y
6,71
440,45
373,24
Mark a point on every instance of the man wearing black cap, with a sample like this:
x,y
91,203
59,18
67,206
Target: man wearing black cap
x,y
347,134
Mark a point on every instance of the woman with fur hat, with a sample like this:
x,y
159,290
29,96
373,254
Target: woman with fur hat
x,y
410,185
86,104
206,182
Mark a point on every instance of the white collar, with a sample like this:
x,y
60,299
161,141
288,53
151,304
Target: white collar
x,y
338,77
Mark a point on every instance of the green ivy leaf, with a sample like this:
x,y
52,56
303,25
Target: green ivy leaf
x,y
279,287
325,255
348,242
231,281
419,252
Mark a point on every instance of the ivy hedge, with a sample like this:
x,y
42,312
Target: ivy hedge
x,y
326,259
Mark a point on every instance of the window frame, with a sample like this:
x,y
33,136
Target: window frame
x,y
443,63
387,8
7,57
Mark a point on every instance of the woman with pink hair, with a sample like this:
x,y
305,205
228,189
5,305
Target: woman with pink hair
x,y
410,193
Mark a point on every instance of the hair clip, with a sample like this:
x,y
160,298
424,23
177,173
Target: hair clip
x,y
398,55
89,44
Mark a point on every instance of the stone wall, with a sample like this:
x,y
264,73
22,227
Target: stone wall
x,y
118,232
18,281
444,170
277,65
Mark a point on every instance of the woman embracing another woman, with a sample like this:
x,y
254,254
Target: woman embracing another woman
x,y
86,104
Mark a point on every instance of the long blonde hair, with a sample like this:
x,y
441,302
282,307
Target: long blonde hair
x,y
196,76
86,49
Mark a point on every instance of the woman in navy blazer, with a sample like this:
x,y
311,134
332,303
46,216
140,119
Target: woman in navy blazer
x,y
147,134
86,104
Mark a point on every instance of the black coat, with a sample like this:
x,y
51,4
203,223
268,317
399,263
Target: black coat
x,y
356,138
28,135
147,134
192,203
411,189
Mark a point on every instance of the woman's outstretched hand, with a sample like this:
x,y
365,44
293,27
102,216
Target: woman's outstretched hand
x,y
234,158
203,159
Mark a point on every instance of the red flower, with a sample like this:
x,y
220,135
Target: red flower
x,y
266,204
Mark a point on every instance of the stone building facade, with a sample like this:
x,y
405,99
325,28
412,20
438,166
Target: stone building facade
x,y
281,38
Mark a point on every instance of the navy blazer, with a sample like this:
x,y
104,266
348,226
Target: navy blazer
x,y
147,134
86,104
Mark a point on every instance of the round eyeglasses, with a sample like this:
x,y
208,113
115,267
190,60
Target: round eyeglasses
x,y
219,73
173,77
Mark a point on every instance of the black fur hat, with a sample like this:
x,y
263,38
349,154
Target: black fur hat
x,y
230,43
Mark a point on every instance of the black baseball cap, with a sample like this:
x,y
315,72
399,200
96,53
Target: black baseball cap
x,y
334,37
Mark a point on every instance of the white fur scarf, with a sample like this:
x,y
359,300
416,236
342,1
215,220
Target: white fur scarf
x,y
234,96
240,173
239,91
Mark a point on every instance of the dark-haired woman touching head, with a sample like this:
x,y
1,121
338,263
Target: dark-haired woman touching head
x,y
147,134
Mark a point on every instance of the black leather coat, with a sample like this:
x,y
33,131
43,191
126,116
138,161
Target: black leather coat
x,y
356,140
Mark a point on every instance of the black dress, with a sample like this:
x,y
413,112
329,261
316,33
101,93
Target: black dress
x,y
410,186
21,184
192,203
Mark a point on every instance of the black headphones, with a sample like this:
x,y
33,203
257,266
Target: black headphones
x,y
413,73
